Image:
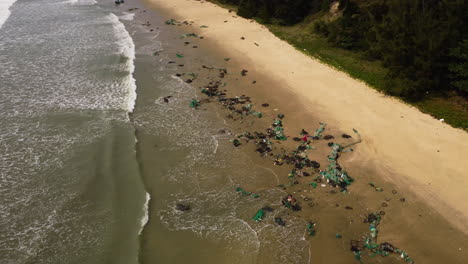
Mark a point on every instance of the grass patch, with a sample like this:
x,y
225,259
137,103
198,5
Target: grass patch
x,y
454,109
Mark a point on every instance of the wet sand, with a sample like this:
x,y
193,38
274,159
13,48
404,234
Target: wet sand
x,y
409,225
426,155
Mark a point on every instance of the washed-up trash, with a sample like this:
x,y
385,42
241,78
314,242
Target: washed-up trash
x,y
194,75
311,228
227,59
194,103
291,202
338,235
318,132
172,22
370,242
190,35
313,184
328,137
203,26
244,192
182,207
259,215
244,72
156,53
179,55
345,136
236,142
280,221
378,189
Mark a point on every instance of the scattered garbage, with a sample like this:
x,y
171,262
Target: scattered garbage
x,y
259,215
291,203
195,104
280,221
227,59
378,189
179,55
337,235
244,192
182,207
311,228
203,26
318,132
236,142
190,35
370,242
244,72
172,22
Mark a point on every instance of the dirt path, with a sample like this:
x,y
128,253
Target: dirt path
x,y
413,149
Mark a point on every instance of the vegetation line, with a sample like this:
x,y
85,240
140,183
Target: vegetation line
x,y
372,42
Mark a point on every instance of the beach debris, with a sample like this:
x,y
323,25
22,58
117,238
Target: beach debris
x,y
328,137
195,104
346,136
318,132
311,228
244,192
203,26
242,38
182,207
290,202
378,189
236,142
156,53
244,72
172,22
190,35
337,235
279,221
259,215
194,47
370,242
166,99
227,59
179,55
256,44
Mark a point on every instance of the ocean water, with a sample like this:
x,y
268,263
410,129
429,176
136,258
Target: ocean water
x,y
93,162
70,189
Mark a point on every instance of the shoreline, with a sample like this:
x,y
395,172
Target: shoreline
x,y
424,148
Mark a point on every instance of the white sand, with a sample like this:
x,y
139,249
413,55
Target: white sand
x,y
425,154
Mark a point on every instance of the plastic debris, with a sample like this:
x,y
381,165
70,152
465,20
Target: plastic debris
x,y
171,22
194,103
338,235
311,228
280,221
190,35
318,132
313,184
179,55
227,59
259,215
244,192
378,189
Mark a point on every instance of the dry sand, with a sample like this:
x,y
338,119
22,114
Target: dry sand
x,y
413,149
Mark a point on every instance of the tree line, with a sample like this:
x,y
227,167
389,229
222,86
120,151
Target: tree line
x,y
422,43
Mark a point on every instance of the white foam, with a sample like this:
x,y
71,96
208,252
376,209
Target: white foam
x,y
126,48
5,10
127,16
81,2
145,218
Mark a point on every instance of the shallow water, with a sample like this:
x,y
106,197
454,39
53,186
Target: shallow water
x,y
70,188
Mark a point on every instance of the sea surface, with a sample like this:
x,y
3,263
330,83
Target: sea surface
x,y
70,189
93,161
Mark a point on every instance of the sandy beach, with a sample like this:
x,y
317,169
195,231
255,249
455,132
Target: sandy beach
x,y
411,149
